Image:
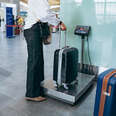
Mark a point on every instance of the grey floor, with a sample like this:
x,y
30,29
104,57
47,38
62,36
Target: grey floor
x,y
13,55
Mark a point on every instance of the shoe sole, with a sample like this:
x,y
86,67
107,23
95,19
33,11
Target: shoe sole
x,y
29,99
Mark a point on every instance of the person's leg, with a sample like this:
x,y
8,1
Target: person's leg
x,y
35,65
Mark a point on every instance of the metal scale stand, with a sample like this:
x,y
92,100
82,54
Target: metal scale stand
x,y
75,91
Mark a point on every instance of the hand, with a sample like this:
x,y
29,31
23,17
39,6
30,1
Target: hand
x,y
62,26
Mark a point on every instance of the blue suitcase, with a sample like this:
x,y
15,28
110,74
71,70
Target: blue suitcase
x,y
105,102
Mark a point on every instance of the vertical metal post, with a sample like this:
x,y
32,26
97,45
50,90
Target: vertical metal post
x,y
82,53
65,38
60,36
65,32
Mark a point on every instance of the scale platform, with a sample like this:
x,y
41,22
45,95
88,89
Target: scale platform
x,y
73,93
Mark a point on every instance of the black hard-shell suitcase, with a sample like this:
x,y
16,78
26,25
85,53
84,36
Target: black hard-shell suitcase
x,y
65,68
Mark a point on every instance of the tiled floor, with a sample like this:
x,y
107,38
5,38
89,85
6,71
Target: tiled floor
x,y
13,55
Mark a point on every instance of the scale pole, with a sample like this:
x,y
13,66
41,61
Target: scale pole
x,y
82,53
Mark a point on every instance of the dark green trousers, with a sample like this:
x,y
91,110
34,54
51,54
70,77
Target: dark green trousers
x,y
35,62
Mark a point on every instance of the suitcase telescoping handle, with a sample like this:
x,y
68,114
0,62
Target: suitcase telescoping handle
x,y
65,33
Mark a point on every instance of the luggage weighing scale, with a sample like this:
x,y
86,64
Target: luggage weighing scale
x,y
81,85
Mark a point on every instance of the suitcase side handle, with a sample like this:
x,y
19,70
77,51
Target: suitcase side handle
x,y
109,91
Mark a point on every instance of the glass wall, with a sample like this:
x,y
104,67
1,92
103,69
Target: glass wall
x,y
101,16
